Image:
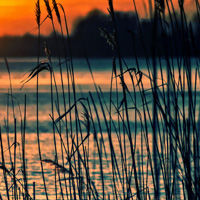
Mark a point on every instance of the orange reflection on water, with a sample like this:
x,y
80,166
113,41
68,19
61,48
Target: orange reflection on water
x,y
84,80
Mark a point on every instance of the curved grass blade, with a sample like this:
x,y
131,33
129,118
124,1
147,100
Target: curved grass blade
x,y
59,118
57,166
41,67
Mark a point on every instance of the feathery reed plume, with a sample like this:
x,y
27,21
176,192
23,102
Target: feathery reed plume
x,y
47,50
160,5
110,38
38,12
55,6
48,9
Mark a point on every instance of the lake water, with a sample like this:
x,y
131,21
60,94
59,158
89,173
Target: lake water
x,y
102,71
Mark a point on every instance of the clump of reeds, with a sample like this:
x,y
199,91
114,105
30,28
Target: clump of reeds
x,y
162,117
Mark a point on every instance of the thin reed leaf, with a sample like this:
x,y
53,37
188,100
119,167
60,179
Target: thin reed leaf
x,y
181,3
56,165
69,110
5,169
41,67
111,9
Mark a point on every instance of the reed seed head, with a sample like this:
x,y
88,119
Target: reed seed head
x,y
110,38
160,5
55,6
48,9
38,12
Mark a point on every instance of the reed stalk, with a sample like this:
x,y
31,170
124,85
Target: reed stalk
x,y
38,20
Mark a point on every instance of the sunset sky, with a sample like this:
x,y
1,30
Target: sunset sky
x,y
17,16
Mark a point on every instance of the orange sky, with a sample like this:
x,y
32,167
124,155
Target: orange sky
x,y
17,16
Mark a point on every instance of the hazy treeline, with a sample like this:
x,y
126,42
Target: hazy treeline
x,y
90,36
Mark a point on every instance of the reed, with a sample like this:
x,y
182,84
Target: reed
x,y
38,21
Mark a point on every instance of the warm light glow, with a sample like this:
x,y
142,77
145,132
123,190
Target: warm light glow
x,y
12,2
18,17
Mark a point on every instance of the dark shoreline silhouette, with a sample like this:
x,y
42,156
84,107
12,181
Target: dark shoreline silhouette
x,y
86,38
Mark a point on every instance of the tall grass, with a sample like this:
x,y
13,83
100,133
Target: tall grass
x,y
144,141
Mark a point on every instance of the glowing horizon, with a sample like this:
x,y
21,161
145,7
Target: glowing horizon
x,y
18,17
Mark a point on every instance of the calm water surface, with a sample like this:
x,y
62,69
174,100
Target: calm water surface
x,y
102,68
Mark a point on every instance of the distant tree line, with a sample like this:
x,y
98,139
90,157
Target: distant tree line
x,y
93,35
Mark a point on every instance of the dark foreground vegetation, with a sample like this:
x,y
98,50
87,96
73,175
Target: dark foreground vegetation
x,y
165,162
